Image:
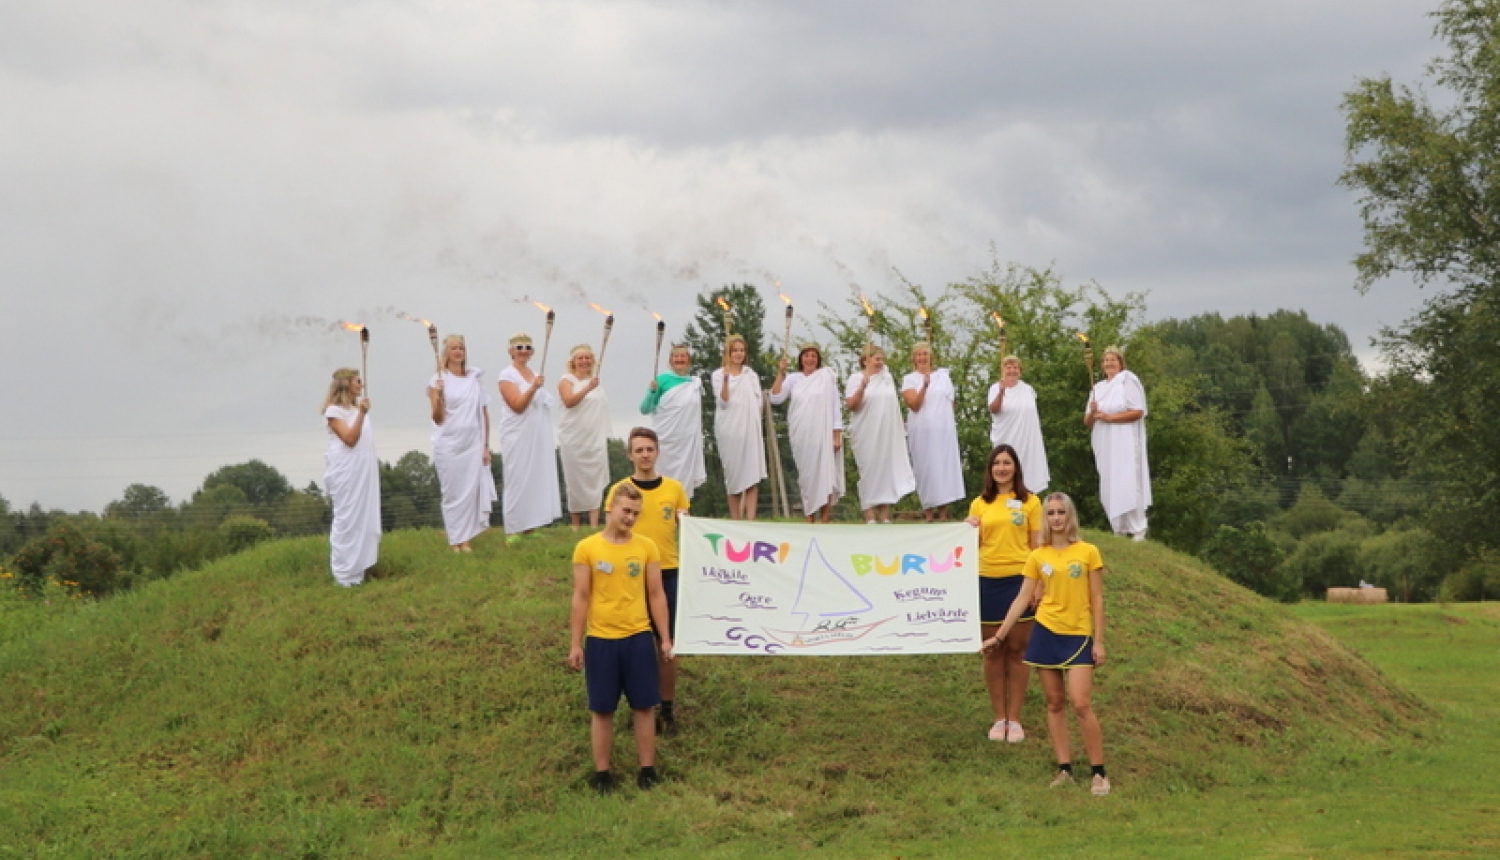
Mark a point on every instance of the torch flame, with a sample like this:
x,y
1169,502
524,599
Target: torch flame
x,y
542,306
1083,337
657,315
869,311
723,304
406,316
601,310
923,312
999,321
785,297
349,326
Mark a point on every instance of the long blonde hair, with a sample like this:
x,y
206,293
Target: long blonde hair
x,y
341,389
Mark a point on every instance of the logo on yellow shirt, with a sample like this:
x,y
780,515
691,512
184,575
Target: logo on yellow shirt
x,y
634,567
1017,518
1075,569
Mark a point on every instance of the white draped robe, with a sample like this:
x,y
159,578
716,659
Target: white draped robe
x,y
528,459
678,422
932,432
458,446
811,418
1120,454
738,429
1019,425
879,439
352,476
583,443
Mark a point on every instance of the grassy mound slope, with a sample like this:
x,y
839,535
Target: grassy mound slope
x,y
252,709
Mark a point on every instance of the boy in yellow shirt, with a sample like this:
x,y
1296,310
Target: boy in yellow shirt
x,y
617,594
663,502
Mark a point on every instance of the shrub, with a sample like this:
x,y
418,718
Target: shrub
x,y
1404,563
1477,580
1251,558
66,558
242,531
1325,560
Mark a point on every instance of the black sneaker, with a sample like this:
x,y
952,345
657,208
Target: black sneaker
x,y
648,779
603,782
666,722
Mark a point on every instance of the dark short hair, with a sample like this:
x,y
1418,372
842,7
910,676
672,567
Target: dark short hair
x,y
643,433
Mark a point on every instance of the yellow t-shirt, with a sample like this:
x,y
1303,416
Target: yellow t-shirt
x,y
1065,607
658,519
1005,527
617,577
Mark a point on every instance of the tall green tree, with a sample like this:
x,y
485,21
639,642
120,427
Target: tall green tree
x,y
262,484
1425,164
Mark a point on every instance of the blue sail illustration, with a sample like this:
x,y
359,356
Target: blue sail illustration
x,y
824,598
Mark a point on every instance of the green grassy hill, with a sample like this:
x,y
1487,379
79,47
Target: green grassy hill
x,y
251,709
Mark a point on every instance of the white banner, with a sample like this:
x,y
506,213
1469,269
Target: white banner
x,y
788,588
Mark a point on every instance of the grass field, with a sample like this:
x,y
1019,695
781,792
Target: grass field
x,y
253,710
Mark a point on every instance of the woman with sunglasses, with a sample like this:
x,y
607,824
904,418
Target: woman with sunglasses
x,y
528,452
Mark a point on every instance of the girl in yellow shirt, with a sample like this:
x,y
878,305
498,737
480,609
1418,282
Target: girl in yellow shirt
x,y
1068,640
1009,519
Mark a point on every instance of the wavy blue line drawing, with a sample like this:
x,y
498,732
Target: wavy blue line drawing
x,y
901,635
719,617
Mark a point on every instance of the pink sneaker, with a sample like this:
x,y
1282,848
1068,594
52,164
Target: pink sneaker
x,y
997,731
1014,733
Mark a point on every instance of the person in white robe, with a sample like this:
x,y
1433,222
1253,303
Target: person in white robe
x,y
352,476
675,403
461,445
1116,416
738,429
878,436
932,432
1015,421
583,437
815,430
528,452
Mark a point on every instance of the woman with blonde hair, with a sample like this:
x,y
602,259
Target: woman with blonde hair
x,y
583,436
352,477
815,430
1067,641
878,437
1116,418
737,429
1015,421
528,452
932,430
675,403
461,445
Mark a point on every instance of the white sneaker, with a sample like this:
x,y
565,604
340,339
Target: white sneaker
x,y
1014,733
1100,787
1062,778
997,731
1138,536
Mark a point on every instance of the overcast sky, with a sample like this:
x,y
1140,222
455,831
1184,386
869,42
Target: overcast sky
x,y
190,191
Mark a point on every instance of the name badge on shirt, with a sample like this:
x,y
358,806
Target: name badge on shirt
x,y
605,567
1046,570
1013,504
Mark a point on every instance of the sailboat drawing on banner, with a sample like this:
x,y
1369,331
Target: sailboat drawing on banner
x,y
824,594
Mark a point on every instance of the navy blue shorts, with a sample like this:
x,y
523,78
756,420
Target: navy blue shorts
x,y
996,594
615,666
669,585
1048,650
